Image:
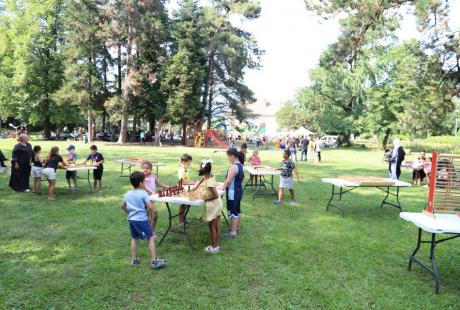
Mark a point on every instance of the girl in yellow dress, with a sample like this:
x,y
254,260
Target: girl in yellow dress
x,y
213,207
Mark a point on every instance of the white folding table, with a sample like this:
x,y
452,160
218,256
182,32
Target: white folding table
x,y
345,186
83,168
261,180
180,201
443,224
131,163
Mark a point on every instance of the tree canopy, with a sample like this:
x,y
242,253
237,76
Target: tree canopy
x,y
370,83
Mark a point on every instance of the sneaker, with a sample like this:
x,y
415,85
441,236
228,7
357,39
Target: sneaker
x,y
229,235
27,191
210,249
292,203
159,263
75,188
135,261
276,202
68,188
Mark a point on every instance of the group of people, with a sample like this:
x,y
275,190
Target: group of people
x,y
143,216
305,145
27,161
421,168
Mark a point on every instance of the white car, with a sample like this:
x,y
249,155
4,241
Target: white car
x,y
330,141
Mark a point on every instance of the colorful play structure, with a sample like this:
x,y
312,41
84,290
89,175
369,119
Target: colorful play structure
x,y
208,138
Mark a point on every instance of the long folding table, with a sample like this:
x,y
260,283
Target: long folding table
x,y
340,187
130,163
179,200
260,173
83,168
442,224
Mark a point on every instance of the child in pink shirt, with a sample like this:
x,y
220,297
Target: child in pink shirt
x,y
255,161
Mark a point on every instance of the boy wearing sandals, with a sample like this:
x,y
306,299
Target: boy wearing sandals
x,y
134,204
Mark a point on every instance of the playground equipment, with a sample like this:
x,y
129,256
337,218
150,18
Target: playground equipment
x,y
201,139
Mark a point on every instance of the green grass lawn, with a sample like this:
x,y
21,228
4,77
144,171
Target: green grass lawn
x,y
74,252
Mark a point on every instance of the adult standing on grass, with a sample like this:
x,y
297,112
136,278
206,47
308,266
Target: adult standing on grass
x,y
304,148
318,146
234,191
20,160
397,157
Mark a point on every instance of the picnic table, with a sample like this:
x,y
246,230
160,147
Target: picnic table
x,y
347,184
131,162
261,173
440,224
180,200
82,168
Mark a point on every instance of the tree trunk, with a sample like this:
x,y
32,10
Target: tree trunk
x,y
184,133
47,127
209,108
119,89
152,126
157,135
385,139
126,89
89,133
207,83
135,123
104,119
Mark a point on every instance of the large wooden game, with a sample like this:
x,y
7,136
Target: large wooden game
x,y
444,196
441,215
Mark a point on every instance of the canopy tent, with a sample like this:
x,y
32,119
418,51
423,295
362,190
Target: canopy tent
x,y
302,131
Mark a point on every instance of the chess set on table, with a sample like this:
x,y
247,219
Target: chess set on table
x,y
174,190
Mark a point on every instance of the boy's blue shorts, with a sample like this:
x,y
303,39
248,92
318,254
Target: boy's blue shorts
x,y
234,208
140,230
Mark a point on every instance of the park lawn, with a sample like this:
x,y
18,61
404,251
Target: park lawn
x,y
74,252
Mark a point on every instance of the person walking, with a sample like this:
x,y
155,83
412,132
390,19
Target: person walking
x,y
304,148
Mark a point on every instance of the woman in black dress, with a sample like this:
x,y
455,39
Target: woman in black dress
x,y
20,165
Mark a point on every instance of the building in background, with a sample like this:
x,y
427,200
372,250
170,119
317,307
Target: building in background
x,y
264,120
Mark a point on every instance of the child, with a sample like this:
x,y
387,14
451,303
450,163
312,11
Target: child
x,y
53,161
287,166
134,204
234,191
213,207
183,174
255,161
98,160
150,184
71,175
37,168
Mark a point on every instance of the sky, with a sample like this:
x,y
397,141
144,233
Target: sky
x,y
293,40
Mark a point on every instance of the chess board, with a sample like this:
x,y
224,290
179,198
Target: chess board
x,y
368,180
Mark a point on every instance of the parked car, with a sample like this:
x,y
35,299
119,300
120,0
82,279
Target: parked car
x,y
331,141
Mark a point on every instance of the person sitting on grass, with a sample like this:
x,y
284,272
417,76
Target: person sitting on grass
x,y
71,175
184,175
287,167
53,162
150,184
234,191
213,207
134,204
98,160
